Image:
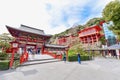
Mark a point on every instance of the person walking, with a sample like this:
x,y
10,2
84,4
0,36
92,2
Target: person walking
x,y
64,57
79,60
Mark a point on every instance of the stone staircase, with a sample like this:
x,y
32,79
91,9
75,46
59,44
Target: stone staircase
x,y
39,59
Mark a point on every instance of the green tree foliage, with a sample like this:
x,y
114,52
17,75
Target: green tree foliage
x,y
103,41
72,30
5,37
112,13
77,49
93,21
4,41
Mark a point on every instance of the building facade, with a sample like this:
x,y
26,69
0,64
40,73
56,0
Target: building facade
x,y
66,40
31,40
90,35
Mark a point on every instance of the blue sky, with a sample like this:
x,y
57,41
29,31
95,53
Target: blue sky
x,y
52,16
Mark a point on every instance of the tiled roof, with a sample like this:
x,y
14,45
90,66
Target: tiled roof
x,y
30,29
113,47
116,46
27,29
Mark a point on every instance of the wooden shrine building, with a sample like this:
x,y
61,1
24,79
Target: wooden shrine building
x,y
66,40
27,38
90,35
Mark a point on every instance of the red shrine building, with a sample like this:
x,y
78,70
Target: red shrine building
x,y
90,35
66,40
28,39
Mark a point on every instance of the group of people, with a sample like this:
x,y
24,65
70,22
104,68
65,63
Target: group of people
x,y
33,51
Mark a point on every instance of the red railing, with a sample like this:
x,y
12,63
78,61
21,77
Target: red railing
x,y
54,55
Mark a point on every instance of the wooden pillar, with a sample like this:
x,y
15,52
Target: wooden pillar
x,y
83,40
42,50
37,45
67,55
66,49
96,37
25,47
92,39
12,58
43,46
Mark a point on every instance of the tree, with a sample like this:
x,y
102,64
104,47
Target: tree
x,y
93,21
112,13
4,41
6,37
103,41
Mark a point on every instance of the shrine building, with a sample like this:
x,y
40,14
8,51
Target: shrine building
x,y
27,38
66,40
90,35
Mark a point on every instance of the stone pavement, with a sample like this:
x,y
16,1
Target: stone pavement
x,y
98,69
38,56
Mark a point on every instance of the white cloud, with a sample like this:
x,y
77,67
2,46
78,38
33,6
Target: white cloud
x,y
52,16
55,30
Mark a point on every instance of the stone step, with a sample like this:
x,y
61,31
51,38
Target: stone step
x,y
42,61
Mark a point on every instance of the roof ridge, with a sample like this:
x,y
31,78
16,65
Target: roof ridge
x,y
30,27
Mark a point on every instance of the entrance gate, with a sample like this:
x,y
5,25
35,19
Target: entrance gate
x,y
28,38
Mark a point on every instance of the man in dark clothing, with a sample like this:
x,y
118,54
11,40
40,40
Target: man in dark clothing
x,y
64,57
79,60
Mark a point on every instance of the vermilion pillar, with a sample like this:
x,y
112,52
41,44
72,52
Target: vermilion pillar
x,y
42,50
67,53
92,39
12,58
14,46
96,37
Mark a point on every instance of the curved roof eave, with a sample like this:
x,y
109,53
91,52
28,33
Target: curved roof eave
x,y
8,27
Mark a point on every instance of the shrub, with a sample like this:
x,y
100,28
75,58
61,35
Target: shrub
x,y
74,52
17,56
4,64
16,63
83,58
3,56
72,55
